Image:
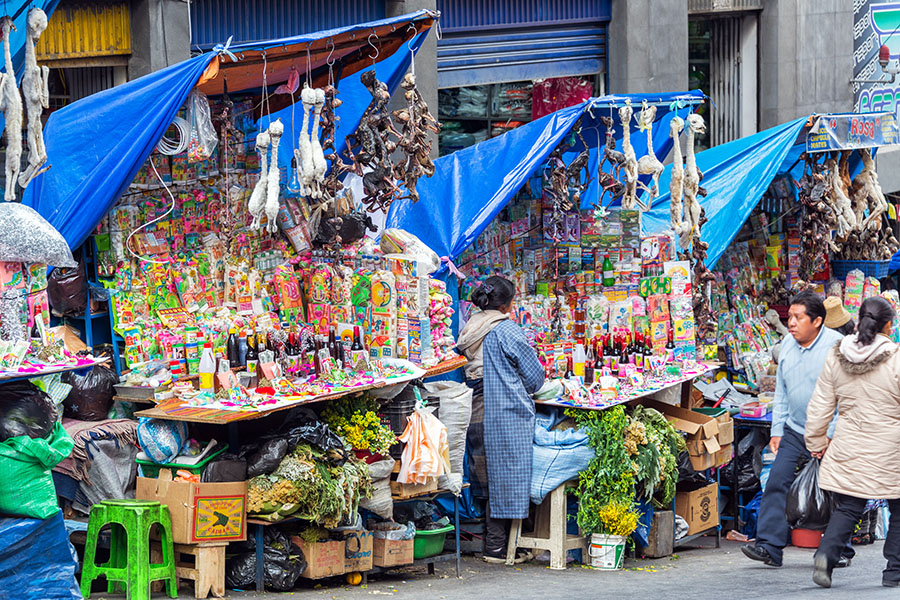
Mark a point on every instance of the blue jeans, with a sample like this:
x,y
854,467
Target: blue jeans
x,y
772,530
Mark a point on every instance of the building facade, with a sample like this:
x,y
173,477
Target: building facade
x,y
763,62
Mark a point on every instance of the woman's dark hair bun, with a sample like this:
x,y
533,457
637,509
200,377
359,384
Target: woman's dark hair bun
x,y
496,292
874,314
479,298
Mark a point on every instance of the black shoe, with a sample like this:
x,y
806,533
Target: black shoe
x,y
890,583
756,552
821,572
843,562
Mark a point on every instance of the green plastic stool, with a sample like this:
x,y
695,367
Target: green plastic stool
x,y
129,569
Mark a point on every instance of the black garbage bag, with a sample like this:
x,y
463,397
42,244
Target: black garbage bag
x,y
25,410
688,478
354,226
267,458
808,506
310,429
225,468
420,513
91,395
67,290
283,563
744,470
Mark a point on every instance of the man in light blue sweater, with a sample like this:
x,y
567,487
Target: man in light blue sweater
x,y
802,357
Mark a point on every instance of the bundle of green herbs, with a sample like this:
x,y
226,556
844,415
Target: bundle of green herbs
x,y
653,446
606,488
307,486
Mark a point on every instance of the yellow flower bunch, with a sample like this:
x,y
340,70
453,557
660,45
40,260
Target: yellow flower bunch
x,y
618,518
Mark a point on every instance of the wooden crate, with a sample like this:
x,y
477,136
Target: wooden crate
x,y
405,491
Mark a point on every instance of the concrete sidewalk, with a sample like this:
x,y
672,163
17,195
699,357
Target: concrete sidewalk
x,y
691,573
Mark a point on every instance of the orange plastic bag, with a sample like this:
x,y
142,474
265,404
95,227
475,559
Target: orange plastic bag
x,y
426,453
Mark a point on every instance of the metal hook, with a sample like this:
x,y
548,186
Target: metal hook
x,y
377,53
328,60
412,37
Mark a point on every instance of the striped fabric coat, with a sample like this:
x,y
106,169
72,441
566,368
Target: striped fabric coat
x,y
512,373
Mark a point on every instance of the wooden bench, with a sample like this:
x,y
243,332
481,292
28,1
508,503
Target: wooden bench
x,y
549,531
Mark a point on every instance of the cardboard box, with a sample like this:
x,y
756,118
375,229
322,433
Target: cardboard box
x,y
358,545
392,553
726,432
699,508
724,455
323,559
201,512
688,421
701,462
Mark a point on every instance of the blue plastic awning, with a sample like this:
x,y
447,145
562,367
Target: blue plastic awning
x,y
96,146
735,175
471,186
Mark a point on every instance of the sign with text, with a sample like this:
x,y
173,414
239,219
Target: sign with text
x,y
874,24
851,131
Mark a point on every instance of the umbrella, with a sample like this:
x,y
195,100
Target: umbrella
x,y
25,236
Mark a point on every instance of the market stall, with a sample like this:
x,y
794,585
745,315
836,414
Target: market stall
x,y
248,302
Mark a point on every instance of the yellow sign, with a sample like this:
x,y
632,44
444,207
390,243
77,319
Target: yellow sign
x,y
219,518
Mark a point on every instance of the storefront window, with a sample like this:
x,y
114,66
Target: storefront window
x,y
475,113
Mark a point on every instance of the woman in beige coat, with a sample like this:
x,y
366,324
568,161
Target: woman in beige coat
x,y
861,378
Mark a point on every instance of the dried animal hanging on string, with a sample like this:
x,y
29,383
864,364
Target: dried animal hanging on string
x,y
630,165
649,164
37,97
11,107
609,182
374,138
817,218
414,143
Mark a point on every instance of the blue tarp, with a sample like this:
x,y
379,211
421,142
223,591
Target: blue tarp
x,y
97,145
471,186
735,175
36,559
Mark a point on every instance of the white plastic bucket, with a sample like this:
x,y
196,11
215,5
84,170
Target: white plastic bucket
x,y
607,552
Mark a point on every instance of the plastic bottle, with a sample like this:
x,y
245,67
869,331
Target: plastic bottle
x,y
578,358
207,368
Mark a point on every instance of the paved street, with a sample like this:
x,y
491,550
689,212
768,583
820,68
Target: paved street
x,y
690,574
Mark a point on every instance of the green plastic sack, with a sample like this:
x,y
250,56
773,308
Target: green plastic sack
x,y
27,462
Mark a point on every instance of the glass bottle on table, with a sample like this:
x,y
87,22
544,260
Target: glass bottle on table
x,y
234,359
357,340
570,373
670,348
252,354
638,354
609,275
589,364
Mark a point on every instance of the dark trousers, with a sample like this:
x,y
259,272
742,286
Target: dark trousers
x,y
772,530
846,515
496,534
